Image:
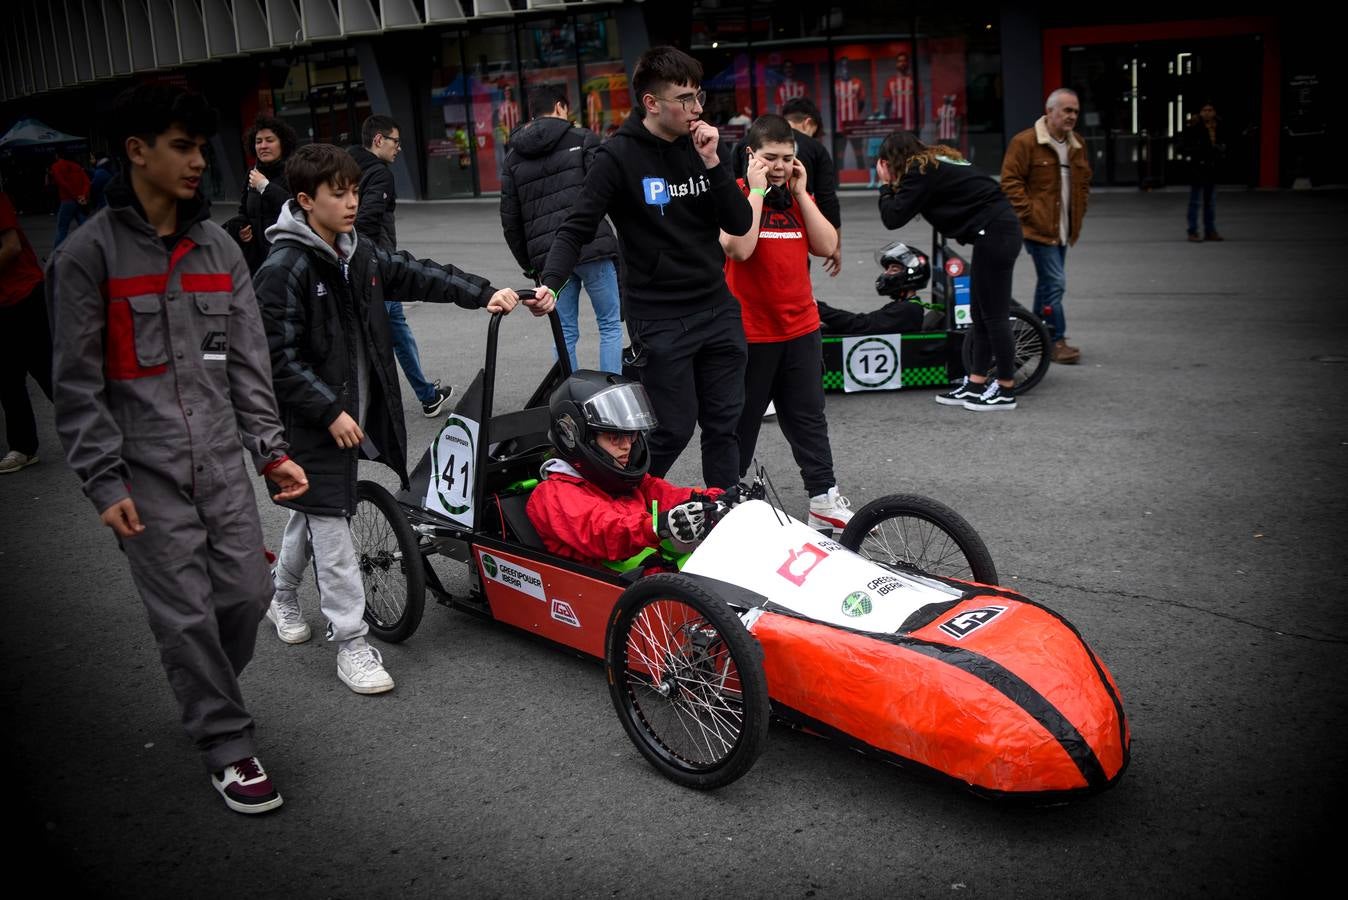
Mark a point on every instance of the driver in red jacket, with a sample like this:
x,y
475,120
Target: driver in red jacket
x,y
596,501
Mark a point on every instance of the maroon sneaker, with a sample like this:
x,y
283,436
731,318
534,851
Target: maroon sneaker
x,y
246,787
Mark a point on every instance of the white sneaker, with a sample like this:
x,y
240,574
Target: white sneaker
x,y
14,461
771,411
361,668
830,512
289,621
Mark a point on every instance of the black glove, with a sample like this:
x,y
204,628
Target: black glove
x,y
688,522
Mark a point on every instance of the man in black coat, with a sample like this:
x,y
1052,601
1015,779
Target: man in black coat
x,y
542,177
374,223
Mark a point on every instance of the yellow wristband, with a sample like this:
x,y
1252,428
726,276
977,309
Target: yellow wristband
x,y
762,192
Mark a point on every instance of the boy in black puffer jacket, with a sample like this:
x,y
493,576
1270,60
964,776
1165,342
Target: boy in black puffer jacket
x,y
321,292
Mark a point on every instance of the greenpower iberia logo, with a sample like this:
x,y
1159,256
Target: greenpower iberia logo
x,y
857,603
489,564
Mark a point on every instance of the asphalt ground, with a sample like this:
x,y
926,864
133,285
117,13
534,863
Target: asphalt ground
x,y
1178,496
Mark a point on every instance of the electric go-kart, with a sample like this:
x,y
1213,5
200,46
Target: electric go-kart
x,y
892,639
876,356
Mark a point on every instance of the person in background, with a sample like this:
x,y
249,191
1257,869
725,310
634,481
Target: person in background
x,y
272,142
542,179
72,190
104,171
25,340
1047,177
1204,144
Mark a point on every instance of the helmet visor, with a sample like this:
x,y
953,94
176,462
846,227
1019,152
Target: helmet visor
x,y
622,407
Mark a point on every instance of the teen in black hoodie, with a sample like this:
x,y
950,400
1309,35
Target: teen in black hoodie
x,y
660,181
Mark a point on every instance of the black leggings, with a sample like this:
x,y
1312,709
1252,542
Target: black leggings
x,y
990,269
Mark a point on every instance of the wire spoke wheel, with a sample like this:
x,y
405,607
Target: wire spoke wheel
x,y
1030,338
687,681
908,531
391,567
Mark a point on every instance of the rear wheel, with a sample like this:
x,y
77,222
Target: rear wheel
x,y
909,531
687,681
1030,336
391,567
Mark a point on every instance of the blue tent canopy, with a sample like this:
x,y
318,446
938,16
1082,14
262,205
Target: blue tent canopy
x,y
33,133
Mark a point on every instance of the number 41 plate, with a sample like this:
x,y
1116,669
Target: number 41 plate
x,y
450,489
871,362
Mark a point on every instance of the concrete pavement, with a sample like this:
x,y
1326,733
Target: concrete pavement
x,y
1178,496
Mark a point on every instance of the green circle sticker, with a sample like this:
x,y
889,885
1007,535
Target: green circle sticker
x,y
489,564
857,603
872,362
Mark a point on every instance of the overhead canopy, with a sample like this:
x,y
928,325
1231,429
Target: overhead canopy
x,y
32,133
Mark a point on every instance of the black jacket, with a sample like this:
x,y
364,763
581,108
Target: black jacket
x,y
669,209
378,200
1205,153
543,175
954,196
320,322
821,178
260,211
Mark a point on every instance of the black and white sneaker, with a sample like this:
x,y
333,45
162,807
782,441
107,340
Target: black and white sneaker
x,y
442,395
965,390
995,397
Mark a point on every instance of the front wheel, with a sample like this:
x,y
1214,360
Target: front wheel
x,y
1033,348
391,566
909,531
687,681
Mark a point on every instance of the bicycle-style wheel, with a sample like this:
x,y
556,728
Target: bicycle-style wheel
x,y
1033,349
909,531
687,681
391,567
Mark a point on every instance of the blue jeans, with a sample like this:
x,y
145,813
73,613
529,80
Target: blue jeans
x,y
405,348
1050,269
68,212
1209,208
601,283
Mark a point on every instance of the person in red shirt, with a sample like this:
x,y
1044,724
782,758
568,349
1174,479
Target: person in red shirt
x,y
597,501
72,188
25,339
768,270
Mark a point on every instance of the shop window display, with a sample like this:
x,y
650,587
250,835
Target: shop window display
x,y
449,162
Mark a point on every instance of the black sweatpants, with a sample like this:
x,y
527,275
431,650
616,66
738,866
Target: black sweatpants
x,y
990,269
693,370
25,349
790,374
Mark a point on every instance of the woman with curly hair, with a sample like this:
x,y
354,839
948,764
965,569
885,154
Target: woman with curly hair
x,y
266,193
968,205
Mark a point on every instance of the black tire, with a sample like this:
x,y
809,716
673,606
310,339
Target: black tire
x,y
701,717
916,533
1033,349
391,566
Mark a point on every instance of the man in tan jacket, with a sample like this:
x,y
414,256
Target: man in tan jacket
x,y
1047,177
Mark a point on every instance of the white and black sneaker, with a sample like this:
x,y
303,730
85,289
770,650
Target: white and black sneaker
x,y
442,395
965,390
995,397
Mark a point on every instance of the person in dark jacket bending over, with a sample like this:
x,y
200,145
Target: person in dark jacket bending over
x,y
321,292
966,204
660,180
540,182
374,223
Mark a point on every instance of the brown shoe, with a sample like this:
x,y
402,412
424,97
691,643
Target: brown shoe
x,y
1213,236
1064,354
1194,238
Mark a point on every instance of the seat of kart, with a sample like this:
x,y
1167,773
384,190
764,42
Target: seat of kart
x,y
513,511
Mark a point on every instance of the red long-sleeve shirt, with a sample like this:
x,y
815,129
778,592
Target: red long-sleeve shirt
x,y
72,182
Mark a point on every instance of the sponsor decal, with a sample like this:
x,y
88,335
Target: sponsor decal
x,y
526,581
884,584
563,613
799,563
971,620
857,603
954,267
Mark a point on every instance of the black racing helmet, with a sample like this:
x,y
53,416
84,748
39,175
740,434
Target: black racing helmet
x,y
590,402
914,271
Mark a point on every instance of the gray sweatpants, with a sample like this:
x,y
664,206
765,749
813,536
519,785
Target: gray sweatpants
x,y
341,592
201,571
